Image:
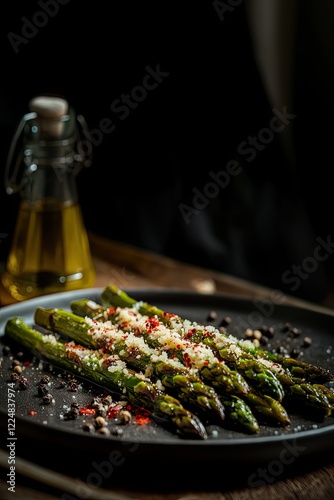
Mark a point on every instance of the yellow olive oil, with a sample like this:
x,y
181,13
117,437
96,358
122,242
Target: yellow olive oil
x,y
50,251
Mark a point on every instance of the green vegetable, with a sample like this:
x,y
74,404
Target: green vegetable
x,y
297,380
214,373
105,370
178,381
263,379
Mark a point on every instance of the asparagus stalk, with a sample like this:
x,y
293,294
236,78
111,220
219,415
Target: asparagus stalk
x,y
319,399
297,368
237,413
254,372
112,295
211,369
176,379
268,409
289,372
110,372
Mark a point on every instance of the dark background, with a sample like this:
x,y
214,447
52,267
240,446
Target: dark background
x,y
268,219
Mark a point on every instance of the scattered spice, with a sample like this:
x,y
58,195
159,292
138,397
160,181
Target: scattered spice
x,y
142,417
307,342
86,411
73,386
294,332
264,334
124,416
45,379
113,411
42,390
101,410
117,431
295,353
24,383
72,414
212,316
107,400
226,320
268,331
15,377
100,421
88,427
47,399
61,384
103,430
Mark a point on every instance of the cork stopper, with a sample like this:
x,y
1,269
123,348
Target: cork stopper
x,y
49,111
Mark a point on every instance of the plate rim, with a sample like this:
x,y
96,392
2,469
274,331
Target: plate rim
x,y
226,443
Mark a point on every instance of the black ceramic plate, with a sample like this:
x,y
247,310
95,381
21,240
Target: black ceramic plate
x,y
48,429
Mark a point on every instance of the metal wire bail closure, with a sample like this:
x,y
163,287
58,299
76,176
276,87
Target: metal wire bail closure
x,y
18,159
15,156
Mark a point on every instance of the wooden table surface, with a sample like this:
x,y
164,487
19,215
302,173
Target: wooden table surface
x,y
130,267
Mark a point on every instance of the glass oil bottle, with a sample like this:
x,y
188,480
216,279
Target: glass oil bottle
x,y
50,249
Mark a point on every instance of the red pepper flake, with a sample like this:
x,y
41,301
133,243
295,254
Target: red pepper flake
x,y
190,333
74,346
32,413
169,315
187,359
142,417
26,363
87,411
152,323
113,411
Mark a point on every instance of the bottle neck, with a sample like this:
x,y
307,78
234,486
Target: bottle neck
x,y
54,154
45,144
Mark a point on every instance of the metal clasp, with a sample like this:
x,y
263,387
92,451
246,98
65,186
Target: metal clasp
x,y
15,157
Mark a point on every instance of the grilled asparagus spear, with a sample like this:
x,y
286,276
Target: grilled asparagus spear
x,y
237,413
254,372
289,372
317,398
297,368
209,368
188,387
112,295
224,380
178,381
108,371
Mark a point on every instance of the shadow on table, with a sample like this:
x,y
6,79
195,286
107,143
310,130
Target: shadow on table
x,y
163,475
